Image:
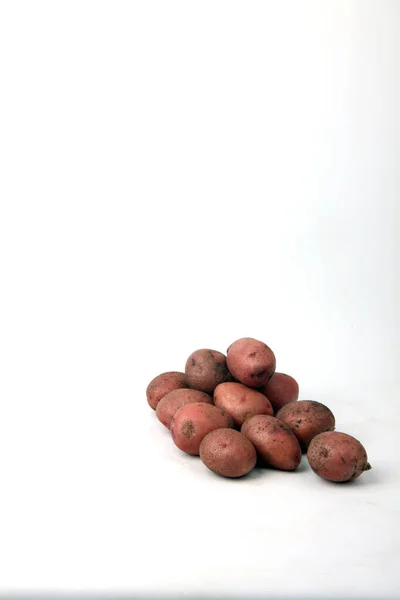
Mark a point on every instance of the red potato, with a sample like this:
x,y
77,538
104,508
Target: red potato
x,y
337,456
162,385
192,422
241,402
205,369
280,390
228,452
172,402
274,441
251,362
307,419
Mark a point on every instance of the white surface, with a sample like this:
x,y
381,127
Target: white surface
x,y
176,175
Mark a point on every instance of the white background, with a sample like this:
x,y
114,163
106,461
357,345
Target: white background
x,y
175,175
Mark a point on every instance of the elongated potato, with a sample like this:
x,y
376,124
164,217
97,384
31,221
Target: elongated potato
x,y
172,402
228,452
192,422
337,456
280,390
162,385
307,419
274,441
241,402
251,362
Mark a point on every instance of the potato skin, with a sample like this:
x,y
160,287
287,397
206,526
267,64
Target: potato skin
x,y
280,390
228,452
337,456
251,362
192,422
241,402
205,369
173,401
162,385
307,418
274,441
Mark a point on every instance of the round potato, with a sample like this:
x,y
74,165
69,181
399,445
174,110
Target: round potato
x,y
307,419
205,369
162,385
192,422
241,402
274,441
228,452
337,456
173,401
280,390
251,362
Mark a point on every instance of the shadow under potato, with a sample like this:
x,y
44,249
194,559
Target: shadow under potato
x,y
263,466
372,476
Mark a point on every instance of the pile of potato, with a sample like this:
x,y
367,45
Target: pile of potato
x,y
236,411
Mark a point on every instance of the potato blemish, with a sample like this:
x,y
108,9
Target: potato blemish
x,y
188,429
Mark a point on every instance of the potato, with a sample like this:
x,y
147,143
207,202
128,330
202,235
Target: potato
x,y
192,422
251,362
337,456
173,401
280,390
241,402
228,452
274,441
306,419
162,385
205,369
